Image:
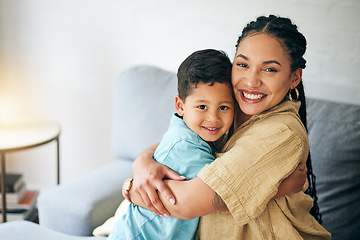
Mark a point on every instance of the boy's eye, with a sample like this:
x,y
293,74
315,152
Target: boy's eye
x,y
224,107
202,107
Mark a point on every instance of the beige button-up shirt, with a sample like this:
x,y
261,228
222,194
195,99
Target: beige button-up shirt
x,y
260,154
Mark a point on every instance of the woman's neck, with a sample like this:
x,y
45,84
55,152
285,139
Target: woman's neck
x,y
240,117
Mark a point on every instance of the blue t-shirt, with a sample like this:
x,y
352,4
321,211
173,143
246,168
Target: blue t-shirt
x,y
186,153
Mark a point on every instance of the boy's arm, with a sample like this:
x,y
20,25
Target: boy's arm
x,y
294,182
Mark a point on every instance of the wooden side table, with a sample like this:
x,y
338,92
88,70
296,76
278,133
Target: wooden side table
x,y
20,135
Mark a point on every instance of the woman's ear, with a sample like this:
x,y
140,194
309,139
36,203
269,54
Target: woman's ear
x,y
179,105
296,78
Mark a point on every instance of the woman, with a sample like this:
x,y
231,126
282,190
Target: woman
x,y
268,143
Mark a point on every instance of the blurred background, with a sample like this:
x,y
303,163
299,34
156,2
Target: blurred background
x,y
59,60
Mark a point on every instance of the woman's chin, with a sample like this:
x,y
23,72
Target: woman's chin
x,y
253,107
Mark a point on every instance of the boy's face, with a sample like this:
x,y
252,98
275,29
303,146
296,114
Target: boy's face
x,y
208,110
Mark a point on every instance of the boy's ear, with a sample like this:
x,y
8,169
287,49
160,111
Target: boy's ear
x,y
179,105
296,78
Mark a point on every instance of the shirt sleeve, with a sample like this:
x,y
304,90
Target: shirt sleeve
x,y
188,157
248,175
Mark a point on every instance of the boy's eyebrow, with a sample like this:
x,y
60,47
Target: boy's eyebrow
x,y
229,102
265,62
201,100
206,101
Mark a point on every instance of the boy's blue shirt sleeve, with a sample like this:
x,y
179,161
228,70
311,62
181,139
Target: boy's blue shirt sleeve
x,y
187,158
182,150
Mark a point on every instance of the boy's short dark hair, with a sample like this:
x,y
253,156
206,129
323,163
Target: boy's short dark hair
x,y
204,66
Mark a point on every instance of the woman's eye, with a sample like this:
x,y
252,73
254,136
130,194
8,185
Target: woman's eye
x,y
270,70
202,107
243,65
223,108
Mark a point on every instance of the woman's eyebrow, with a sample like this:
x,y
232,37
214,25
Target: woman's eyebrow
x,y
241,56
273,61
265,62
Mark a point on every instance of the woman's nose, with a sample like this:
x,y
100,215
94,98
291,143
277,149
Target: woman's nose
x,y
253,79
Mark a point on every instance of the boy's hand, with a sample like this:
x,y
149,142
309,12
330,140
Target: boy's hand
x,y
293,183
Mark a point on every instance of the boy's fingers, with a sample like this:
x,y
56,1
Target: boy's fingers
x,y
302,167
305,170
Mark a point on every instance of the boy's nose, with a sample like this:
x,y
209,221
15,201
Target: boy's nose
x,y
213,116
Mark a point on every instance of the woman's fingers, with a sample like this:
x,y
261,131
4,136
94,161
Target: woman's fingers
x,y
148,182
163,189
151,200
170,174
147,202
157,204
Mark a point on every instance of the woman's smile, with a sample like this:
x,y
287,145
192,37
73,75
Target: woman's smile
x,y
251,96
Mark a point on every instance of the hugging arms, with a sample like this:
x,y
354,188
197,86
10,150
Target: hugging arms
x,y
153,189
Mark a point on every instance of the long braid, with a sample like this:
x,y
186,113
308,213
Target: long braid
x,y
310,175
294,44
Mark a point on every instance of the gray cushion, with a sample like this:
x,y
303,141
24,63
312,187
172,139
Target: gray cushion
x,y
144,103
334,135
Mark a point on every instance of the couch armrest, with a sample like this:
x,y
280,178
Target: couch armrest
x,y
16,230
76,208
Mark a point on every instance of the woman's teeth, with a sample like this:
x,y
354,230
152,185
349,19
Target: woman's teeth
x,y
253,96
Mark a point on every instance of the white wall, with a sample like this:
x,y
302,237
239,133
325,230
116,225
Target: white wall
x,y
59,60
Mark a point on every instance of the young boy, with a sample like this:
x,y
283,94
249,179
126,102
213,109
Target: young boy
x,y
205,111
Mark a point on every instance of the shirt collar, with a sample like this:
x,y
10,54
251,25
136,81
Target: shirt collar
x,y
285,107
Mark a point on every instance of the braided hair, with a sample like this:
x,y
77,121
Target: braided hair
x,y
294,45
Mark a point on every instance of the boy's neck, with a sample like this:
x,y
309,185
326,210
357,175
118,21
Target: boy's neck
x,y
211,144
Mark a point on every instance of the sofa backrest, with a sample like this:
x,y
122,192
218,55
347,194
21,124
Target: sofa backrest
x,y
334,136
143,104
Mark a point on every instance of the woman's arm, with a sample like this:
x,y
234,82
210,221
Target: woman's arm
x,y
148,181
193,198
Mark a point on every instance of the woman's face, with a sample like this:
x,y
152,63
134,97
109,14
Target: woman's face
x,y
261,74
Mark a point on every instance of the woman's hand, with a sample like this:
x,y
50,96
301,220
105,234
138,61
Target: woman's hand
x,y
148,181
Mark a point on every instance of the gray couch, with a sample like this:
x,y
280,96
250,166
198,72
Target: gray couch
x,y
144,101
